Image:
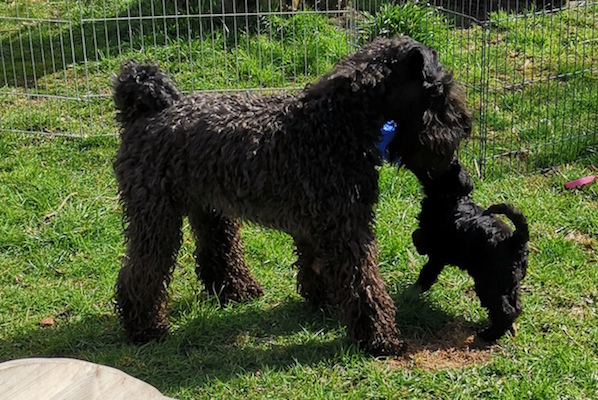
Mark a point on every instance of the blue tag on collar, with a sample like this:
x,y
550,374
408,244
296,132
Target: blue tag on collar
x,y
388,133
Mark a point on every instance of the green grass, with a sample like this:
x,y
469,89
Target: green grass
x,y
61,242
422,23
60,222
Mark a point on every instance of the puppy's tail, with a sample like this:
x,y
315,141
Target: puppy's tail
x,y
141,91
517,218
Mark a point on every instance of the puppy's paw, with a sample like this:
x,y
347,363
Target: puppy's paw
x,y
492,333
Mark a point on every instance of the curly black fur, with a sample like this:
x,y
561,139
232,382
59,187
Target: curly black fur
x,y
454,230
302,163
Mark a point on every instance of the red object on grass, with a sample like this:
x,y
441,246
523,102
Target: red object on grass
x,y
581,181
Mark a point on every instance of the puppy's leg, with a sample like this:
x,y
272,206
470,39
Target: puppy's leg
x,y
309,270
152,237
429,274
355,286
500,324
220,257
502,310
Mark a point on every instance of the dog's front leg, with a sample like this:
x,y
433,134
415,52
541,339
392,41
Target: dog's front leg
x,y
356,288
429,274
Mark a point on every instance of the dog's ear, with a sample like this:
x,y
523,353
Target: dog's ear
x,y
416,63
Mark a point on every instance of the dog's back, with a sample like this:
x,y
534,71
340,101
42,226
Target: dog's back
x,y
521,234
258,157
450,229
462,233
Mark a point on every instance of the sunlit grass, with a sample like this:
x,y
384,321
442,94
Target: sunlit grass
x,y
61,244
60,222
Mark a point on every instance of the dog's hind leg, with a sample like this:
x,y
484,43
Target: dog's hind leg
x,y
220,257
356,288
429,274
503,308
152,237
309,270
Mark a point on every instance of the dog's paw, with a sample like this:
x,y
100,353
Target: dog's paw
x,y
492,334
387,348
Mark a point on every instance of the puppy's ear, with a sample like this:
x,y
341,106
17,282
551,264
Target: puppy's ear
x,y
416,63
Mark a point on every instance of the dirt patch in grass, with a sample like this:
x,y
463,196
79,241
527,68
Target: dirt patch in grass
x,y
452,347
580,238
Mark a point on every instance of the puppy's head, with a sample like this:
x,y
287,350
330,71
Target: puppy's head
x,y
454,182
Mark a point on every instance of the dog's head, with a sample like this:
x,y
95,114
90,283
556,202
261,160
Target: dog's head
x,y
455,181
426,103
402,80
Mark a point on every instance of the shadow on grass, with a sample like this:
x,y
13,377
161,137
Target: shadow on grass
x,y
220,343
423,323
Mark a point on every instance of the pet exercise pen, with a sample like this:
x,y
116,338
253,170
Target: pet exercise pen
x,y
530,67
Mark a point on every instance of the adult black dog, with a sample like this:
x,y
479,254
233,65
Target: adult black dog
x,y
303,163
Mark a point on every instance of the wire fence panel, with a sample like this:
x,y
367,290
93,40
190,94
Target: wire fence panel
x,y
57,57
530,67
539,98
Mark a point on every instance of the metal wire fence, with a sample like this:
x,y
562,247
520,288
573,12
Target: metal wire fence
x,y
530,66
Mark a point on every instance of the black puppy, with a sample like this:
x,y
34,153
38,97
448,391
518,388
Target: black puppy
x,y
454,230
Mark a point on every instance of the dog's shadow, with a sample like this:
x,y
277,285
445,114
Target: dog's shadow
x,y
222,342
209,342
430,330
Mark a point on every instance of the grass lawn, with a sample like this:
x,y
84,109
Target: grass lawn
x,y
60,222
60,236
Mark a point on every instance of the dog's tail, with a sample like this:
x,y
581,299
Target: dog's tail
x,y
521,233
142,90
